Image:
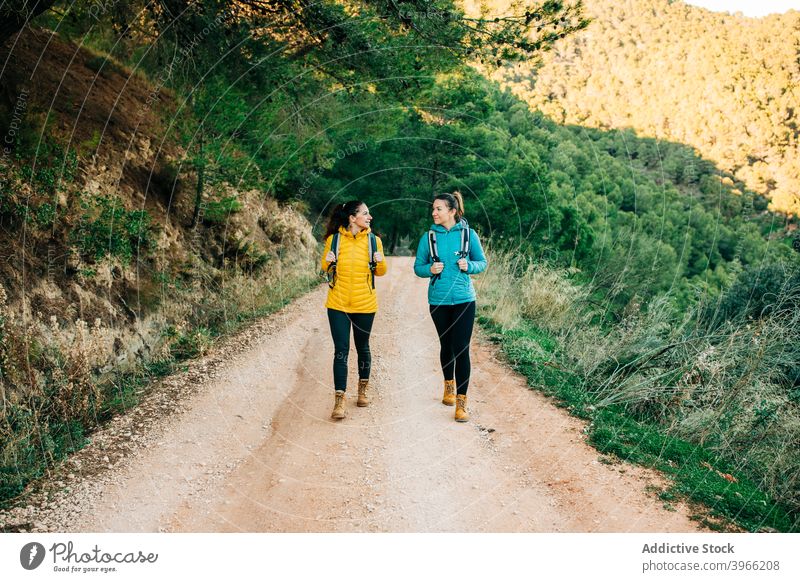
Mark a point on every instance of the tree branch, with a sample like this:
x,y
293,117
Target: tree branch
x,y
12,20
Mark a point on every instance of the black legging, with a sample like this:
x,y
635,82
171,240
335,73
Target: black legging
x,y
454,326
340,331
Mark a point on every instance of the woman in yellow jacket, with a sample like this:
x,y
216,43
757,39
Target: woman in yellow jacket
x,y
351,298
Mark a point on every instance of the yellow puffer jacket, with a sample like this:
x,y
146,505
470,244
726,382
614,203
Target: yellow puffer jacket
x,y
353,292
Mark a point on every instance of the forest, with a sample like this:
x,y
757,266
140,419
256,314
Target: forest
x,y
727,85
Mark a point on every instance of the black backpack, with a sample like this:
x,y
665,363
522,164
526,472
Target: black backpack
x,y
462,253
330,274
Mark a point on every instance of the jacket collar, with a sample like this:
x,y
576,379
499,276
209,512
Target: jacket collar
x,y
459,225
346,232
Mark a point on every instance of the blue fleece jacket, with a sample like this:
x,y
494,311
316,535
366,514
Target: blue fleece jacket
x,y
453,286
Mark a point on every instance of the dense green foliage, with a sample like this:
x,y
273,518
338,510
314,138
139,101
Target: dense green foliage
x,y
726,84
271,88
638,217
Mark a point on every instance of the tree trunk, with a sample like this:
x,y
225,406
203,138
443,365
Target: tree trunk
x,y
14,18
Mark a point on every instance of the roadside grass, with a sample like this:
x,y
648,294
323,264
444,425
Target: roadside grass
x,y
68,400
696,474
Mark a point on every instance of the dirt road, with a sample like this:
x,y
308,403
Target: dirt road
x,y
252,447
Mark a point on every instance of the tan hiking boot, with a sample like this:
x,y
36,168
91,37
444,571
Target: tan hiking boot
x,y
338,407
363,400
449,398
461,408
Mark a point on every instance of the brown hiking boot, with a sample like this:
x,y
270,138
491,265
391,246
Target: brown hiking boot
x,y
461,408
363,400
449,398
338,407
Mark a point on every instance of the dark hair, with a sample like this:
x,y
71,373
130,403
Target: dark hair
x,y
340,216
454,200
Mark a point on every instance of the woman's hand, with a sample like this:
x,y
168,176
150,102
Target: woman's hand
x,y
437,268
462,264
330,257
377,257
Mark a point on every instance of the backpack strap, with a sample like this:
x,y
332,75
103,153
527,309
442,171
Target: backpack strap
x,y
433,250
335,244
373,248
331,272
465,236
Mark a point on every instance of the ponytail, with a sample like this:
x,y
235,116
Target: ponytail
x,y
459,205
454,201
340,216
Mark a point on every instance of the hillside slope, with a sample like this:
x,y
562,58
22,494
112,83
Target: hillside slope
x,y
103,271
726,84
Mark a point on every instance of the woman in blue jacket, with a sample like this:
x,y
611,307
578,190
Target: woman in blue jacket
x,y
449,253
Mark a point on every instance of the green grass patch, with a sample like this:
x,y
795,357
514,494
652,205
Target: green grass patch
x,y
219,211
37,449
105,65
534,353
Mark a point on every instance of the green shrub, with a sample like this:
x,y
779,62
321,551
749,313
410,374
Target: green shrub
x,y
41,167
45,215
88,146
219,211
45,164
186,345
107,229
758,291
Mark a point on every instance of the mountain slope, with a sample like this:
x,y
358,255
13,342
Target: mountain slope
x,y
726,84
